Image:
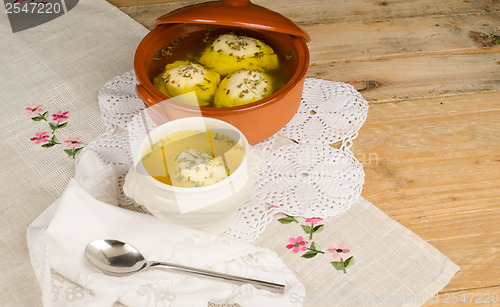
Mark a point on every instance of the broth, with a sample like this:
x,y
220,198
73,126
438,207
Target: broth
x,y
193,158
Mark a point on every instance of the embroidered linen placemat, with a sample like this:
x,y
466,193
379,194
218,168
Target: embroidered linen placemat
x,y
60,65
360,257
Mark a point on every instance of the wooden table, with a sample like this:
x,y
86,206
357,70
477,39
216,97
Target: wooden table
x,y
430,71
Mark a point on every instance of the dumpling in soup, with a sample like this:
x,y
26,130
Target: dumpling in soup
x,y
182,77
243,87
229,53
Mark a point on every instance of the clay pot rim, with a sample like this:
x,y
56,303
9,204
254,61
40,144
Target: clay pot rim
x,y
302,67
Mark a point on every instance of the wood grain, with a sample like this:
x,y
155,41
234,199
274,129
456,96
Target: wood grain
x,y
321,12
363,41
434,166
418,153
147,14
397,78
331,12
128,3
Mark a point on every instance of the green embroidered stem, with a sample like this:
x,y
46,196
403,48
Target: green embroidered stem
x,y
314,250
56,126
41,117
343,265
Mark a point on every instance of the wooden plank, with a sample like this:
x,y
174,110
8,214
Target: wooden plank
x,y
419,148
434,166
318,12
479,297
455,222
355,41
327,12
475,253
480,269
457,132
416,77
396,112
439,198
416,207
128,3
147,14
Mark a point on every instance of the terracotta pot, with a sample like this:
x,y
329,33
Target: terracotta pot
x,y
190,25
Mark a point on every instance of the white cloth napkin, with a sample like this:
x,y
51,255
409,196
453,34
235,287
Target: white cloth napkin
x,y
57,239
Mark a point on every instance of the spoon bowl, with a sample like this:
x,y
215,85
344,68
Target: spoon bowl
x,y
115,257
118,258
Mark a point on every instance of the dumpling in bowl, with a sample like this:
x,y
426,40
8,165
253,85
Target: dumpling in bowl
x,y
243,87
182,77
197,169
230,53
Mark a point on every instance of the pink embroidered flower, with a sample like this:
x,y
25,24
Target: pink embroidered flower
x,y
314,220
71,142
60,116
338,250
34,110
40,138
297,244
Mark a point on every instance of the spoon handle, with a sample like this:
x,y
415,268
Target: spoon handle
x,y
259,284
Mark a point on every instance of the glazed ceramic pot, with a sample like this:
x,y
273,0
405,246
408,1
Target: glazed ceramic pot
x,y
209,208
182,32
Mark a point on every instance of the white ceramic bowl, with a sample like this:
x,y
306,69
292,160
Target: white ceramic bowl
x,y
209,208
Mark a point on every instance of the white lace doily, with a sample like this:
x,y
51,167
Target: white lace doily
x,y
303,175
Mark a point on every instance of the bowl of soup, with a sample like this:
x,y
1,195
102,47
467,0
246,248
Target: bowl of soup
x,y
195,172
246,64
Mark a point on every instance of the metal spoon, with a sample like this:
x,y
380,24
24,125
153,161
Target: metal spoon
x,y
117,258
